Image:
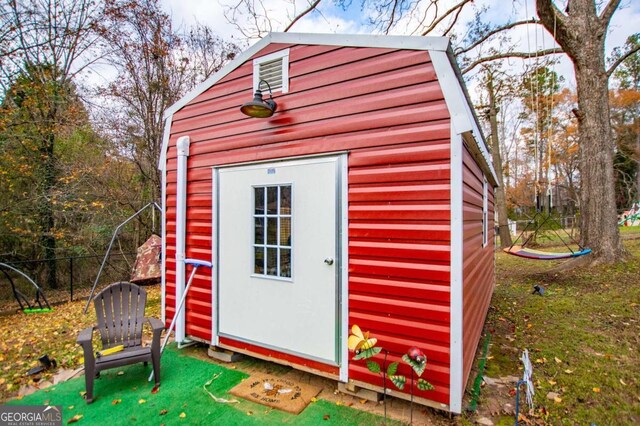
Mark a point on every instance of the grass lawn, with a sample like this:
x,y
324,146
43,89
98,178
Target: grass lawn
x,y
583,336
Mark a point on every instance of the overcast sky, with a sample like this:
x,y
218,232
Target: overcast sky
x,y
333,19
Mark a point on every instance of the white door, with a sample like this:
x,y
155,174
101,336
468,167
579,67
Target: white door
x,y
278,254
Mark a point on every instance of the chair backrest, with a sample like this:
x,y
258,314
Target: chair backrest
x,y
120,313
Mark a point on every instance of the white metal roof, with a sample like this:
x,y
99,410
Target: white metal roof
x,y
463,117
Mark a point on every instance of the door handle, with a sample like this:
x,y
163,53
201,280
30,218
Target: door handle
x,y
328,261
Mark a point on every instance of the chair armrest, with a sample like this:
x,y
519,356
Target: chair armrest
x,y
85,336
84,339
157,326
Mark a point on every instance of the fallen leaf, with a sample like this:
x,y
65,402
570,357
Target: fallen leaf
x,y
552,382
326,417
183,415
116,401
349,404
529,325
622,382
568,371
163,412
83,393
490,357
338,403
71,407
120,373
314,399
364,401
142,401
2,381
75,418
557,360
596,390
249,413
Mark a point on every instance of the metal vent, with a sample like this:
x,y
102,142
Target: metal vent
x,y
271,71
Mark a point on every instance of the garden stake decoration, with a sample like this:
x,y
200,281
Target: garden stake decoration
x,y
365,347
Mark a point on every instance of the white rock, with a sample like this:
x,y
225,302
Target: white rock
x,y
484,421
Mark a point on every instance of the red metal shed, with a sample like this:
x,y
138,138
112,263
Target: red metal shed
x,y
367,198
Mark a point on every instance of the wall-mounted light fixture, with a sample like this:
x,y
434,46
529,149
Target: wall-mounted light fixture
x,y
258,107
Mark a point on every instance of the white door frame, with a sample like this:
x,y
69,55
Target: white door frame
x,y
342,255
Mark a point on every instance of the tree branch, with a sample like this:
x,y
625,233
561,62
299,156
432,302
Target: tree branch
x,y
608,12
393,16
308,10
453,22
449,12
555,21
621,59
523,55
494,32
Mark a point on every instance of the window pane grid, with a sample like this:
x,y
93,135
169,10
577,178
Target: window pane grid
x,y
272,231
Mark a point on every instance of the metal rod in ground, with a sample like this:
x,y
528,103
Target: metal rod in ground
x,y
196,264
411,389
520,382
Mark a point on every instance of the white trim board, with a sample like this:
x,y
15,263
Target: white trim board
x,y
463,120
456,349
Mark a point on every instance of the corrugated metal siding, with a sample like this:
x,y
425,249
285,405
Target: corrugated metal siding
x,y
478,263
386,108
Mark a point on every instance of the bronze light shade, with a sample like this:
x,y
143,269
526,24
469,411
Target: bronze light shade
x,y
258,107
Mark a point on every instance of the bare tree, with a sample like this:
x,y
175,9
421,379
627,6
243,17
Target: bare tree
x,y
495,90
155,66
206,53
141,44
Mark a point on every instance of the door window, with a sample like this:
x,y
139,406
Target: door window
x,y
272,231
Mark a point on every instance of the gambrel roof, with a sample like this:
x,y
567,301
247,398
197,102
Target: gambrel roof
x,y
463,118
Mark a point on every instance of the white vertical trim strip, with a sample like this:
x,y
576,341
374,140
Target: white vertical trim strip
x,y
162,162
485,211
163,231
181,233
214,256
162,165
344,266
456,367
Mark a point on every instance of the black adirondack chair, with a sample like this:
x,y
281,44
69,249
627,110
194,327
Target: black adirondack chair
x,y
120,314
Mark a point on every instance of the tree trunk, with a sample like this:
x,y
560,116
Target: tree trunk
x,y
597,179
637,200
47,219
500,201
581,33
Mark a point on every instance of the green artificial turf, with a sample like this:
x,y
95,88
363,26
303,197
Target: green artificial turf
x,y
128,399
